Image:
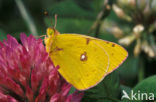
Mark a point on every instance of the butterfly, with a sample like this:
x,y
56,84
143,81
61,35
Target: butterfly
x,y
83,61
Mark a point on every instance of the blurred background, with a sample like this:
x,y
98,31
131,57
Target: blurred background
x,y
131,23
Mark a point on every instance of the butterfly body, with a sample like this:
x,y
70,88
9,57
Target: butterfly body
x,y
84,61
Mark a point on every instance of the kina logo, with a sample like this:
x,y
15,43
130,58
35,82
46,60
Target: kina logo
x,y
137,95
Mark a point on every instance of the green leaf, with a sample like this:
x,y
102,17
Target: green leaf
x,y
126,88
107,91
72,90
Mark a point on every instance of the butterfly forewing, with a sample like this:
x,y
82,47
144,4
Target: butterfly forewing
x,y
84,61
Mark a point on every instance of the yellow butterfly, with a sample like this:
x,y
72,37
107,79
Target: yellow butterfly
x,y
84,61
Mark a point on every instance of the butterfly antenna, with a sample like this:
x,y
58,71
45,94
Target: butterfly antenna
x,y
55,20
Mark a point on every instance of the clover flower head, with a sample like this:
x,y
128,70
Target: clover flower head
x,y
27,74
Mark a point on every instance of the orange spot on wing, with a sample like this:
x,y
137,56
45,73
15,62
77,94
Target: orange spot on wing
x,y
56,49
113,45
87,40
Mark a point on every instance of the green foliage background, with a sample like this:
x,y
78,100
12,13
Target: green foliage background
x,y
77,16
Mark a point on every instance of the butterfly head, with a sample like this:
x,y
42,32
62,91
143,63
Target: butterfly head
x,y
51,36
52,32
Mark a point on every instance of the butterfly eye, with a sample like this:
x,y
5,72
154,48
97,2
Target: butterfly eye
x,y
83,57
50,31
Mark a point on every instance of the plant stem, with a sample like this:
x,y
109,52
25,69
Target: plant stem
x,y
141,74
26,17
101,16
